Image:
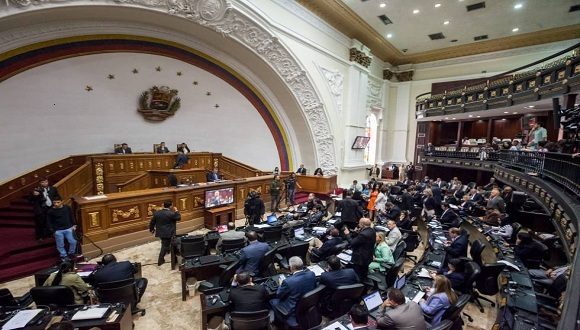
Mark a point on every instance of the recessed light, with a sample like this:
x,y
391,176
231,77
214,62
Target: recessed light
x,y
445,22
389,35
531,106
505,112
383,5
470,116
518,6
515,29
437,5
453,118
478,116
416,11
515,113
446,117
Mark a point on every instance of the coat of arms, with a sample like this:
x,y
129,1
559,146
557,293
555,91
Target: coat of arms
x,y
158,103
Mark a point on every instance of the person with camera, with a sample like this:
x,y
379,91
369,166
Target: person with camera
x,y
42,197
291,184
254,208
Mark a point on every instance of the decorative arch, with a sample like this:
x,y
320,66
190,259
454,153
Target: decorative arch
x,y
232,22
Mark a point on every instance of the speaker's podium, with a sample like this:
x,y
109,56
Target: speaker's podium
x,y
219,216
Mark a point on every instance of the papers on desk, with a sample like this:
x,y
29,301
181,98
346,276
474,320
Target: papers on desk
x,y
21,319
317,270
435,264
423,273
319,230
90,313
332,221
545,236
337,214
418,296
509,264
344,257
265,225
335,326
84,274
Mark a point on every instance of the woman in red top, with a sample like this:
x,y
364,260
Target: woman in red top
x,y
371,204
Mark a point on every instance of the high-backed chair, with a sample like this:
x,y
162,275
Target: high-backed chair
x,y
516,229
298,250
266,267
384,281
120,292
155,146
308,313
343,298
58,296
193,246
232,245
487,283
314,257
412,240
400,250
259,320
477,248
8,300
472,273
272,234
216,283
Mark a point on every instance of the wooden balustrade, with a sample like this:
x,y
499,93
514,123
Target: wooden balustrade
x,y
141,181
77,183
233,169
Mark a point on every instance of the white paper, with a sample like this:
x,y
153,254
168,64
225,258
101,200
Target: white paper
x,y
424,273
319,229
90,314
84,274
418,296
337,214
21,319
344,257
505,262
317,270
332,221
262,225
334,326
436,264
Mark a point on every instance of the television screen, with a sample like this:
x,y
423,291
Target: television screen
x,y
361,142
219,197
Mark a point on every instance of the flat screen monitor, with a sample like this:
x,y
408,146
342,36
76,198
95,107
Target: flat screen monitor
x,y
219,197
360,142
271,219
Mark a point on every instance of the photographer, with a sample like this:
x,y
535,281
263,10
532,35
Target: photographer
x,y
291,184
254,208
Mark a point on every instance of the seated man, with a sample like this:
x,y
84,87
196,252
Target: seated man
x,y
400,315
393,211
528,250
359,317
457,246
323,250
213,176
161,149
124,149
113,271
251,255
291,290
180,160
247,296
336,276
231,235
449,218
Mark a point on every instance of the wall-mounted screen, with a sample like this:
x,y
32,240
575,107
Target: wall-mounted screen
x,y
360,142
219,197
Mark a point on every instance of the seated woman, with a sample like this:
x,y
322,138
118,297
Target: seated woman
x,y
318,172
383,254
442,297
455,273
68,277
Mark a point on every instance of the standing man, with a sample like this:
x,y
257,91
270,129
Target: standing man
x,y
61,222
350,210
124,149
301,170
495,201
275,187
162,149
42,197
375,171
411,171
254,208
362,243
291,184
394,235
163,225
537,135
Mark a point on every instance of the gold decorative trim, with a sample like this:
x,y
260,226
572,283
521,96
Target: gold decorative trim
x,y
99,178
94,219
132,212
152,208
359,57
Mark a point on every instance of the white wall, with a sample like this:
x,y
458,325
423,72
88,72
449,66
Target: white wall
x,y
46,113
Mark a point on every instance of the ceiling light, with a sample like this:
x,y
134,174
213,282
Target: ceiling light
x,y
446,23
383,5
515,29
446,117
416,11
531,106
478,116
437,5
389,35
505,112
453,118
515,113
518,6
470,116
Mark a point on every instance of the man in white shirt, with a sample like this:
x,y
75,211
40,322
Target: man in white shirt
x,y
394,235
356,186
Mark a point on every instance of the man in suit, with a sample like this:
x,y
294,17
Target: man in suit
x,y
323,250
356,186
362,243
163,225
359,317
292,289
449,218
124,149
407,199
477,195
495,201
231,235
247,296
301,170
162,149
41,198
400,315
251,255
183,148
394,235
457,246
113,271
213,175
393,211
337,276
528,250
350,210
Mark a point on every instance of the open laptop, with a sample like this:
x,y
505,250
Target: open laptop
x,y
373,303
300,235
271,219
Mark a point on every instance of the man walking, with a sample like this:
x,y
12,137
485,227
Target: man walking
x,y
163,225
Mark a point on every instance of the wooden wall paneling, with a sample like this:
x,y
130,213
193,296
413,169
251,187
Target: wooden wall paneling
x,y
506,128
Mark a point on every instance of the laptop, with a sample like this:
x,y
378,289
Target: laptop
x,y
521,280
222,228
373,303
271,219
299,234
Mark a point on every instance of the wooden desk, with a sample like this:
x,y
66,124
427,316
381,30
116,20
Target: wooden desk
x,y
317,184
158,178
219,216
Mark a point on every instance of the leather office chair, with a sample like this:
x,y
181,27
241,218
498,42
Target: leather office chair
x,y
308,314
8,300
477,248
232,245
57,296
384,281
217,283
315,257
542,255
259,320
192,246
266,267
399,251
272,234
412,240
471,185
343,298
472,273
298,250
124,291
444,325
487,283
516,229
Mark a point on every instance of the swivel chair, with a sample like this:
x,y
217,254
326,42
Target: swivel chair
x,y
343,298
191,247
266,267
412,240
259,320
217,283
124,291
400,250
52,296
472,273
272,234
232,245
8,300
477,248
487,283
